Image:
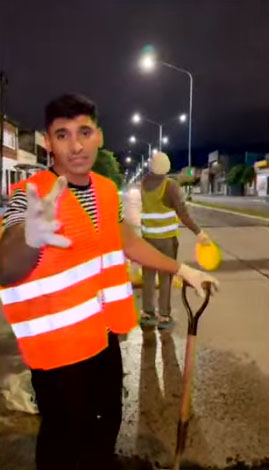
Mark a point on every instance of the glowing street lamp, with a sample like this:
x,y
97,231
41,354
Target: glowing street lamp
x,y
183,118
148,63
136,118
148,59
133,140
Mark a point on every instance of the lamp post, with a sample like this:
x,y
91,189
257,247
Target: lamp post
x,y
133,140
148,63
186,72
183,118
140,166
137,118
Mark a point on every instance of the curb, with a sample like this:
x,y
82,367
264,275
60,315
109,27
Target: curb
x,y
228,211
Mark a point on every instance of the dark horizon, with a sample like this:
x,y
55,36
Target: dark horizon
x,y
93,47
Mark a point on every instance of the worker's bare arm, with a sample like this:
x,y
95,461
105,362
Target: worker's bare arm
x,y
137,249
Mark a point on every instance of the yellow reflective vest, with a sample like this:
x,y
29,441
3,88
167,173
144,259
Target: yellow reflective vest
x,y
158,220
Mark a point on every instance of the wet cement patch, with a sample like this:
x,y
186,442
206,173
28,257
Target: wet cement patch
x,y
229,423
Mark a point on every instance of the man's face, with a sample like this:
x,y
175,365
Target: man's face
x,y
74,144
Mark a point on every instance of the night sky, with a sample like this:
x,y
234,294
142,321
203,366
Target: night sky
x,y
51,47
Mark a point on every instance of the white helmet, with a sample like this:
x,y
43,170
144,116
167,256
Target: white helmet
x,y
159,164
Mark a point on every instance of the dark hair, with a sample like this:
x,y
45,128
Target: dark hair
x,y
69,106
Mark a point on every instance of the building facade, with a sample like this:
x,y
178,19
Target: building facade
x,y
262,177
23,154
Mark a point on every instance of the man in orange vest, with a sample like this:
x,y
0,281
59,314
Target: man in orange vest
x,y
66,291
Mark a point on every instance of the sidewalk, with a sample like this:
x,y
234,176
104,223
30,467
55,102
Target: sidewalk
x,y
246,205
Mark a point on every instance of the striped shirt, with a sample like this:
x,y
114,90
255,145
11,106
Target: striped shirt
x,y
17,205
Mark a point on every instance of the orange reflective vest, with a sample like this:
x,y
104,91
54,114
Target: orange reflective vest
x,y
62,311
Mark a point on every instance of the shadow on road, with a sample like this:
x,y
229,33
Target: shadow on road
x,y
159,405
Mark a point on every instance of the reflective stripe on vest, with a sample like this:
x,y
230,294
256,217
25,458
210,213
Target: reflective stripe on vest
x,y
120,292
57,320
158,220
61,313
167,228
156,216
57,282
48,323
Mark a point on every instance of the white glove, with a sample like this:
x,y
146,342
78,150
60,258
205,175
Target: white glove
x,y
196,279
40,223
203,238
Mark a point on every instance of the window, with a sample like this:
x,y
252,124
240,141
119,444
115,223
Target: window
x,y
9,139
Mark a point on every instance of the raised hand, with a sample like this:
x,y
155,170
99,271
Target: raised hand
x,y
40,222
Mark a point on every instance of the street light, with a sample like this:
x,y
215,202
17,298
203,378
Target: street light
x,y
148,63
132,139
165,140
140,166
154,151
137,118
183,118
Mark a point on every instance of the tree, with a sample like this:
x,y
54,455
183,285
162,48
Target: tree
x,y
235,174
248,175
107,165
241,174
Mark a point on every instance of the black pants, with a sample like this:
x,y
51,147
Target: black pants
x,y
80,407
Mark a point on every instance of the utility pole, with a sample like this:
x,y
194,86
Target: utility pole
x,y
160,137
3,86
